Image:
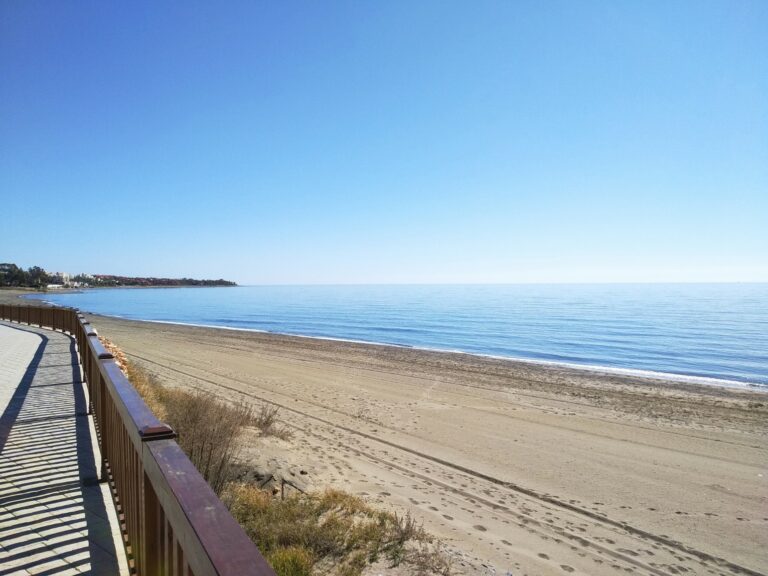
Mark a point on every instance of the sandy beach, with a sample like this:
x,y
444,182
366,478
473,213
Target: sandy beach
x,y
520,468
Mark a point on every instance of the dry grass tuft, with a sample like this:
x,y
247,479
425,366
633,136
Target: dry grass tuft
x,y
266,421
293,561
340,532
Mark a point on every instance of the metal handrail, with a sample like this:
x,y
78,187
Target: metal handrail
x,y
172,522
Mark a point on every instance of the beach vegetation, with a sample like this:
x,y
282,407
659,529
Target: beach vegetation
x,y
337,532
208,431
291,561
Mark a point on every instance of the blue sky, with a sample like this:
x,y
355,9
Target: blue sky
x,y
335,142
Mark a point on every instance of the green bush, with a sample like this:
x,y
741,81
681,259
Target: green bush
x,y
293,561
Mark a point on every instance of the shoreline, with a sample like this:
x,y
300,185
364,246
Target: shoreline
x,y
85,289
591,368
645,374
651,375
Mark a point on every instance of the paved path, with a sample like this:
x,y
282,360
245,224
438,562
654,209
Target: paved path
x,y
55,518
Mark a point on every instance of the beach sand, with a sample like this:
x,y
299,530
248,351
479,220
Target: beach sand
x,y
520,468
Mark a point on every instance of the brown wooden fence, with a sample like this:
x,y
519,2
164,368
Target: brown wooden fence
x,y
172,521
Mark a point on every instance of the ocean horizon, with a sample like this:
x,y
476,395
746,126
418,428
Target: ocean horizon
x,y
711,333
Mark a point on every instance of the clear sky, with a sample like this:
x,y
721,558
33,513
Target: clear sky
x,y
345,142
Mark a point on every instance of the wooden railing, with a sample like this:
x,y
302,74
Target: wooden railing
x,y
172,522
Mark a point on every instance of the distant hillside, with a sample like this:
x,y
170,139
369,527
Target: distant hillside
x,y
109,280
37,277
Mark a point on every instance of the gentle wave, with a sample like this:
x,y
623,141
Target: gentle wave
x,y
714,334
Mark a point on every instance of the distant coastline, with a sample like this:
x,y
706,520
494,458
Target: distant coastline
x,y
36,277
111,281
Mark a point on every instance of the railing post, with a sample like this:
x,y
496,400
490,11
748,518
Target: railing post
x,y
104,429
150,546
101,402
87,361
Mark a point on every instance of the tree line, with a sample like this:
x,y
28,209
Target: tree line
x,y
109,280
33,277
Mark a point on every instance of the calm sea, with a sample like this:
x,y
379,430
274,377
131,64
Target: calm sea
x,y
715,331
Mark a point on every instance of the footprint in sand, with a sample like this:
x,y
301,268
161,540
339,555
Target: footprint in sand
x,y
447,517
544,556
479,527
567,568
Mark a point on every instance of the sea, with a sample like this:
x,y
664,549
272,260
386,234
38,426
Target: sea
x,y
710,333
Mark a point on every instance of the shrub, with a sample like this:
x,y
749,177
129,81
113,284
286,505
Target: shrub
x,y
293,561
208,431
337,528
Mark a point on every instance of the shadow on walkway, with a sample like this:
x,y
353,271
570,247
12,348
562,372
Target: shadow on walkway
x,y
53,512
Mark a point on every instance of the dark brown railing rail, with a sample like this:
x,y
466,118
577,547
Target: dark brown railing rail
x,y
172,522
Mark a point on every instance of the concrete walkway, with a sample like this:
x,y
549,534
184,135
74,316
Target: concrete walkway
x,y
55,518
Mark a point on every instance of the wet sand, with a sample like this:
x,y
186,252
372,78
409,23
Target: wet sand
x,y
519,467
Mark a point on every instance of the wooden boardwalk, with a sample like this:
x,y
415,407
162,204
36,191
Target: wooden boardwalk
x,y
55,517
